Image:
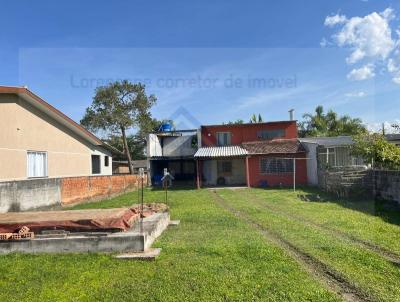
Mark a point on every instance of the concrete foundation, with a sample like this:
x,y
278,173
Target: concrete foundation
x,y
130,241
150,254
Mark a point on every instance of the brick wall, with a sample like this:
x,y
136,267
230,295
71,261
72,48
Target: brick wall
x,y
273,180
25,195
347,181
81,189
379,184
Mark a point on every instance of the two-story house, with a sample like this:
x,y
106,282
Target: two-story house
x,y
256,154
172,150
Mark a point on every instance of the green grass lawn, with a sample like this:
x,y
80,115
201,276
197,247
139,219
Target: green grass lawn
x,y
214,255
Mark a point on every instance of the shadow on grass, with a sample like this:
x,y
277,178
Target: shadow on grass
x,y
389,211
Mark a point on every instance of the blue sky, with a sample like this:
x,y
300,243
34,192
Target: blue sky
x,y
219,60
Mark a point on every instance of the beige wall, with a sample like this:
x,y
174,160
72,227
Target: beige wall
x,y
23,128
238,176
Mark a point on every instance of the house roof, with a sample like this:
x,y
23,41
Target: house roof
x,y
329,141
33,99
277,146
220,151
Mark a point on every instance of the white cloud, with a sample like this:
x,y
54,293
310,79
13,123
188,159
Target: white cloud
x,y
355,94
396,79
391,66
370,40
364,73
334,20
368,37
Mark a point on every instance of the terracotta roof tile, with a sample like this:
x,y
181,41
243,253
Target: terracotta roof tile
x,y
278,146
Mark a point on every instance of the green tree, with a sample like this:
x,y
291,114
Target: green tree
x,y
118,107
329,124
377,151
137,142
256,119
136,145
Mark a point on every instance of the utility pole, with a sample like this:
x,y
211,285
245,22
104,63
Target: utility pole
x,y
141,175
294,174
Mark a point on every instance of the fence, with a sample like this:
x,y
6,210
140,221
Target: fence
x,y
56,192
378,184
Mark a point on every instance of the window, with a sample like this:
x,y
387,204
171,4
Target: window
x,y
224,167
223,138
106,161
276,165
96,164
271,134
337,157
37,164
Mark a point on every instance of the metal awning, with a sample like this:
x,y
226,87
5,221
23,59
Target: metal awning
x,y
221,151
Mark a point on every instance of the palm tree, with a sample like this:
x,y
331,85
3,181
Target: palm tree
x,y
329,124
254,119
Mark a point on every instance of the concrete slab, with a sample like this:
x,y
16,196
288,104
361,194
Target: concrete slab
x,y
149,254
133,240
174,222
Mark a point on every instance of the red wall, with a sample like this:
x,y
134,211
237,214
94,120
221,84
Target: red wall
x,y
245,132
276,179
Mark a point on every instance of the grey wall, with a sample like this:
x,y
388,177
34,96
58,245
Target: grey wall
x,y
178,146
378,183
387,185
29,194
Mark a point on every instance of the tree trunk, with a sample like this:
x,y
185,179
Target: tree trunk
x,y
127,153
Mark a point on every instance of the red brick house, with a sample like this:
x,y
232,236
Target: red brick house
x,y
259,154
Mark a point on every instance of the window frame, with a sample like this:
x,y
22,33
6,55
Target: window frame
x,y
91,162
229,138
261,136
46,163
289,163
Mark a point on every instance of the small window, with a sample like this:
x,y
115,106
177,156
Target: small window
x,y
276,165
106,161
271,134
96,164
37,164
223,138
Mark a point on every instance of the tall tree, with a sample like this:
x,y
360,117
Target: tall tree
x,y
136,145
329,124
116,108
136,142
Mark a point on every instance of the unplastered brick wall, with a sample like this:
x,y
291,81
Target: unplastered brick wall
x,y
81,189
346,182
380,184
